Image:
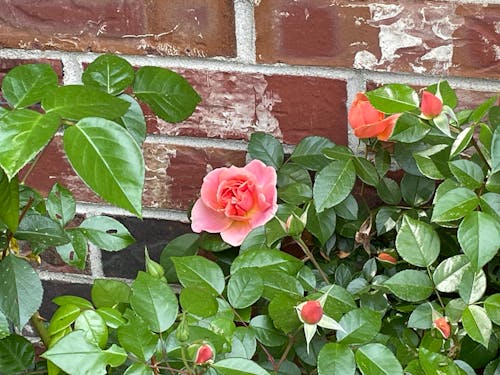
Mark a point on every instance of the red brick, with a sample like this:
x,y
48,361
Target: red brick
x,y
234,105
432,37
173,173
8,64
160,27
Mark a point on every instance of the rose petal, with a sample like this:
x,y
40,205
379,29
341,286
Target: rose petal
x,y
371,130
203,218
264,175
236,232
209,188
362,112
391,122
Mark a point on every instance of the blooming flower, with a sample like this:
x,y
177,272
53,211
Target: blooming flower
x,y
312,315
442,325
235,200
431,105
204,354
367,122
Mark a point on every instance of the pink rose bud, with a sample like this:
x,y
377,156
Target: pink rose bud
x,y
442,325
367,121
431,105
311,312
204,354
387,258
236,200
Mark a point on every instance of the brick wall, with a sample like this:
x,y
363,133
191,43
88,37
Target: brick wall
x,y
289,68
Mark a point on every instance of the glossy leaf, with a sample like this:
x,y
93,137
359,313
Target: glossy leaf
x,y
169,94
112,317
468,173
238,366
108,160
433,161
24,134
63,317
477,324
282,311
9,201
265,331
267,259
472,285
266,148
60,204
388,190
19,283
309,152
333,184
338,152
434,363
80,302
495,151
410,285
198,301
17,354
359,326
292,173
417,242
278,282
462,141
493,183
136,337
447,94
198,271
295,193
4,326
423,316
244,288
366,171
336,359
348,208
386,219
94,326
106,233
138,369
133,120
184,245
490,204
41,231
75,102
448,274
75,252
393,98
154,302
377,359
454,205
75,355
481,111
321,225
492,307
27,84
243,344
479,237
109,73
409,129
108,293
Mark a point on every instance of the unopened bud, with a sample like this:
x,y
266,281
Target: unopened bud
x,y
311,312
204,354
387,258
295,225
182,332
442,325
153,268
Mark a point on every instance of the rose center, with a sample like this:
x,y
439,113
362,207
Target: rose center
x,y
236,196
311,312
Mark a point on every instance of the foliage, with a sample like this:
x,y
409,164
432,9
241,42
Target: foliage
x,y
379,260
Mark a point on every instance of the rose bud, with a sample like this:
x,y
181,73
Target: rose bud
x,y
387,258
204,354
431,105
442,325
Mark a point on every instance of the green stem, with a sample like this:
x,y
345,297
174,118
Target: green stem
x,y
37,323
311,257
437,292
480,153
285,353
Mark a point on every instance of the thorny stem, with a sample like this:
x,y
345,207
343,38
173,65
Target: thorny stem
x,y
311,257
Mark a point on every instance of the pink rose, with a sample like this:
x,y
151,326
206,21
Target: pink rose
x,y
235,200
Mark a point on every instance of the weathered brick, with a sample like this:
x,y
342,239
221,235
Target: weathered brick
x,y
432,37
234,105
160,27
150,233
173,173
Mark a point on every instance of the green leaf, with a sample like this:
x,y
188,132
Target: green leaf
x,y
423,316
388,190
454,309
168,94
447,94
185,244
109,73
493,368
75,102
433,162
493,183
267,260
360,326
154,301
448,274
477,324
24,134
4,326
41,231
472,286
375,359
265,331
416,190
283,314
135,337
60,204
403,154
479,237
417,242
21,290
243,344
9,201
468,173
278,282
454,204
112,317
348,208
336,359
495,151
198,271
17,354
462,141
75,355
295,193
198,301
133,120
309,152
267,149
482,109
293,173
333,184
386,219
106,233
409,129
490,204
366,171
108,293
138,369
321,225
238,366
435,363
75,252
108,160
410,285
338,152
492,307
338,302
27,84
94,326
63,317
244,288
393,98
80,302
382,161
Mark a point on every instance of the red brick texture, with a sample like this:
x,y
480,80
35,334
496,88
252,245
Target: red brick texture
x,y
196,28
429,37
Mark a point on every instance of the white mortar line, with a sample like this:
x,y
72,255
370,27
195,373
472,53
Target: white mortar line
x,y
244,24
93,209
95,260
65,277
72,70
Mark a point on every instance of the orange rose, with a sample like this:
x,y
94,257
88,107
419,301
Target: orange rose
x,y
431,105
368,122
